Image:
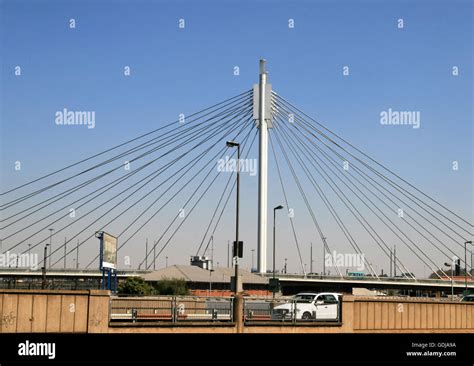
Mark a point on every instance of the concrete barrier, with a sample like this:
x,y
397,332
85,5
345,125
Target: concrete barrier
x,y
50,311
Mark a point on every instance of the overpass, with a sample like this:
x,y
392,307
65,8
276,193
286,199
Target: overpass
x,y
291,284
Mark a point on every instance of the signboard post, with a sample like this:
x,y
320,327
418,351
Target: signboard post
x,y
108,260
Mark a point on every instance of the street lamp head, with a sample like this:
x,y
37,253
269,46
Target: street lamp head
x,y
232,144
279,207
447,264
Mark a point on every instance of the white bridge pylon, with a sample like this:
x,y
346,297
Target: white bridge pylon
x,y
263,118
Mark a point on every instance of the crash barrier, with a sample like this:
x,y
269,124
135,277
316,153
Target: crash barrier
x,y
290,311
172,309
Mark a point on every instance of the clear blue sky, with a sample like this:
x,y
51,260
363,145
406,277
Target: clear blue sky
x,y
183,70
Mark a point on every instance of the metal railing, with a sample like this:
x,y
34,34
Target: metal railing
x,y
290,311
367,278
171,309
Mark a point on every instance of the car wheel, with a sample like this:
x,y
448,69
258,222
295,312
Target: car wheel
x,y
306,316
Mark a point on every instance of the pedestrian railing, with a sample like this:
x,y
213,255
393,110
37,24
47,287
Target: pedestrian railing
x,y
171,309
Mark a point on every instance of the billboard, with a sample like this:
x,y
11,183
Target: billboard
x,y
108,251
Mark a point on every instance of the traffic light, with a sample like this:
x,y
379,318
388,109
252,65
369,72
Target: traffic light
x,y
457,268
238,250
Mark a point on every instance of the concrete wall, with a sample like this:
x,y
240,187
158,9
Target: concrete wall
x,y
401,315
43,311
49,311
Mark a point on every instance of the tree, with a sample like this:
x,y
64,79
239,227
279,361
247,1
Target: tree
x,y
171,286
135,286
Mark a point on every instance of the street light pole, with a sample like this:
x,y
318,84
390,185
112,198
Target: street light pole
x,y
154,255
452,279
465,261
274,235
50,244
210,281
43,284
77,254
452,275
279,207
65,252
237,145
251,269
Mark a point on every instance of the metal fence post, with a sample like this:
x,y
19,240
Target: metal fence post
x,y
173,310
339,310
294,311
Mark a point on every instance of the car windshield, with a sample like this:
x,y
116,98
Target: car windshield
x,y
304,298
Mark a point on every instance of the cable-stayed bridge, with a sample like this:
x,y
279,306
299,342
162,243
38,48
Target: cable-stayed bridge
x,y
171,179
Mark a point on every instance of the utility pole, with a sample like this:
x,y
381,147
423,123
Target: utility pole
x,y
65,252
285,265
237,206
263,117
228,254
311,258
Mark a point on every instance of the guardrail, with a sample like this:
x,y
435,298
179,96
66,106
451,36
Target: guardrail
x,y
290,311
172,309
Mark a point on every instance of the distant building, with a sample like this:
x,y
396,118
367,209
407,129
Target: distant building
x,y
203,282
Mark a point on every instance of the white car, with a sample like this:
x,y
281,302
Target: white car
x,y
309,306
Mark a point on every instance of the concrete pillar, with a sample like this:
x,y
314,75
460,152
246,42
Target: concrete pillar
x,y
239,313
98,311
239,284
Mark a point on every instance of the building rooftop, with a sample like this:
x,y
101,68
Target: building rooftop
x,y
197,274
